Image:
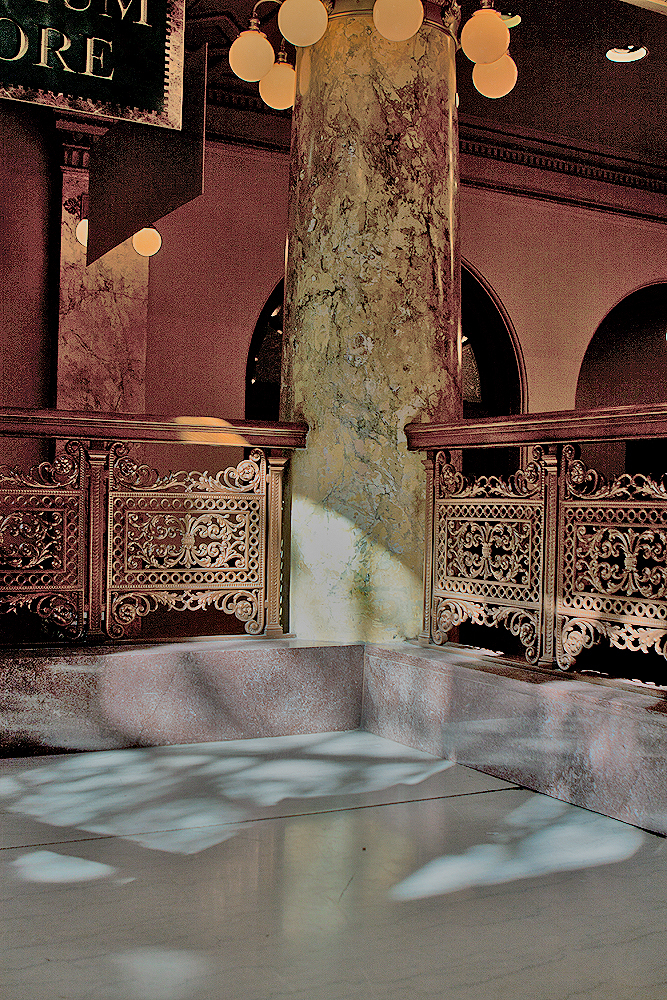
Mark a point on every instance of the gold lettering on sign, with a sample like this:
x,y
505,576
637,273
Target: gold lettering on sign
x,y
70,6
22,42
124,9
46,48
91,55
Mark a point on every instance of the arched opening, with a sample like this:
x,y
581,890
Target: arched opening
x,y
625,364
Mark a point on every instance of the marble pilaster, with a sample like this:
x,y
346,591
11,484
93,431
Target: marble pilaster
x,y
103,316
372,333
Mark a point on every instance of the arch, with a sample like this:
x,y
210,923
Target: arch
x,y
625,364
630,341
496,338
262,381
495,358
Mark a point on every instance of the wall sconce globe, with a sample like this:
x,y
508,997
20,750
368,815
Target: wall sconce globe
x,y
81,232
251,56
302,22
147,242
495,79
278,87
398,20
485,37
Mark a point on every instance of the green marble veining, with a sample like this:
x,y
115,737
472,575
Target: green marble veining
x,y
372,333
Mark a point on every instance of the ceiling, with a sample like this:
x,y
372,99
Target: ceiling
x,y
567,92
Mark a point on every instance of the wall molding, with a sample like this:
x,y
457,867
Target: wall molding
x,y
241,116
544,155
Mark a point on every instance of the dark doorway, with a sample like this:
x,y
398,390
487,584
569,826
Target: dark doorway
x,y
625,364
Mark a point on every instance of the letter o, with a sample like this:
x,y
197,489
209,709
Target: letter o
x,y
22,40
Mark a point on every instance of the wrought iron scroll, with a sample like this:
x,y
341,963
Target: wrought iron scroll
x,y
612,561
186,541
489,551
42,540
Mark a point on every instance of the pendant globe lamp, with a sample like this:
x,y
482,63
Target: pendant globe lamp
x,y
398,20
485,37
278,87
251,56
302,22
495,79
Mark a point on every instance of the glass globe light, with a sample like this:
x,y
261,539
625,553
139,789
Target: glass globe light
x,y
278,87
147,242
398,20
251,55
302,22
485,37
81,232
495,79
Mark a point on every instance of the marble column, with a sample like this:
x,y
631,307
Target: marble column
x,y
103,315
372,310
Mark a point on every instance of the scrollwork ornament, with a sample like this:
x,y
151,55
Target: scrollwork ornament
x,y
586,483
451,484
59,609
63,472
575,634
445,615
572,636
247,477
27,540
521,622
244,605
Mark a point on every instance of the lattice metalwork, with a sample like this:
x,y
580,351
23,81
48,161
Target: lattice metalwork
x,y
612,561
186,541
488,545
42,540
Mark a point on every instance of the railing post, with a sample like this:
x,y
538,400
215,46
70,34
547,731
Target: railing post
x,y
549,556
429,534
97,518
274,629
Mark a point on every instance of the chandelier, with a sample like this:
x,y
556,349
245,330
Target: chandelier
x,y
485,40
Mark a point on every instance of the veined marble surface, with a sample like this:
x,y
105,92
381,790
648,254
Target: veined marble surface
x,y
372,319
103,315
331,867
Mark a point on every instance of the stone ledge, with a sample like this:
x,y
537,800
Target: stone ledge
x,y
179,693
591,744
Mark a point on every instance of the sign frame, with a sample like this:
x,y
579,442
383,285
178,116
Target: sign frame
x,y
85,64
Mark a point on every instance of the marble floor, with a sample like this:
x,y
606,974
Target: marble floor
x,y
326,867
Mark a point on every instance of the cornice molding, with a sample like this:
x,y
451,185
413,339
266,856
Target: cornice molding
x,y
582,164
539,154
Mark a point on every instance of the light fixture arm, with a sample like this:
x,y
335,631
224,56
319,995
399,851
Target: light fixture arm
x,y
254,19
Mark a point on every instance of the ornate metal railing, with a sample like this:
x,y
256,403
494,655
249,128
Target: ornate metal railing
x,y
557,553
95,540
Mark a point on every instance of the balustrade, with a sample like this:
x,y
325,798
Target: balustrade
x,y
556,553
95,540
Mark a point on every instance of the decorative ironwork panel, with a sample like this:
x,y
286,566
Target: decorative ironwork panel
x,y
488,545
612,566
186,541
42,540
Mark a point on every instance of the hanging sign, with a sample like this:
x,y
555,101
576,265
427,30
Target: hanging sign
x,y
111,58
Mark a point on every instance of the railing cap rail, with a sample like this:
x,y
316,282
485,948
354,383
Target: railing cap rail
x,y
144,427
603,424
